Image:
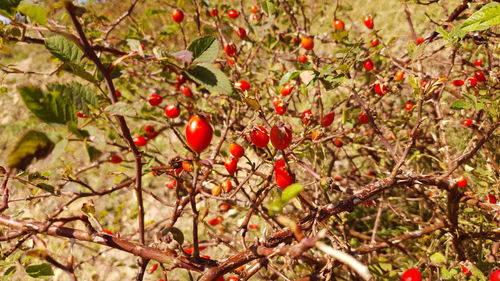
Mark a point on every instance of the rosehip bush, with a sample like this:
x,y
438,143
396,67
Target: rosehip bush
x,y
236,140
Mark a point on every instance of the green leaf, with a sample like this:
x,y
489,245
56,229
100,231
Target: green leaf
x,y
135,45
160,52
74,129
276,207
268,8
176,234
40,270
64,49
120,108
292,74
81,95
291,192
212,78
10,271
486,17
32,145
37,14
438,258
9,6
460,104
79,71
204,49
49,188
48,107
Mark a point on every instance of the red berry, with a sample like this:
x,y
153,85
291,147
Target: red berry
x,y
242,85
368,65
215,221
338,143
374,42
115,159
231,165
152,268
380,89
419,40
254,9
213,12
259,137
282,176
230,62
338,24
230,50
171,183
253,226
327,120
227,185
458,83
307,117
479,75
140,141
302,59
181,79
411,274
286,89
409,106
279,106
233,14
281,135
177,15
234,278
224,207
155,99
490,198
150,131
80,114
172,111
236,150
399,75
462,182
465,270
241,32
495,275
471,82
118,93
186,91
307,43
478,62
199,133
363,118
467,122
368,21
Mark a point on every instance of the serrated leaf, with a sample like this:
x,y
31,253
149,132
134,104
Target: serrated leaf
x,y
437,258
40,270
460,104
210,77
204,49
486,17
37,14
160,52
291,192
292,74
177,234
120,108
49,188
50,108
92,152
81,95
32,144
9,5
79,71
135,45
64,49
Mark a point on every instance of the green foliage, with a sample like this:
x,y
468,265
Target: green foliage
x,y
8,6
37,14
210,77
204,49
64,49
288,195
39,270
48,107
81,95
32,144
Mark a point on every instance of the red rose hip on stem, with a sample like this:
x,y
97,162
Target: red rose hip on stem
x,y
140,141
236,150
233,14
419,40
279,106
307,43
241,32
115,159
213,12
286,89
368,65
338,24
172,111
478,62
467,122
462,182
199,133
155,99
458,83
242,85
363,118
230,50
338,143
302,59
411,274
479,75
495,275
177,15
368,21
327,120
259,137
409,106
374,42
231,164
281,135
